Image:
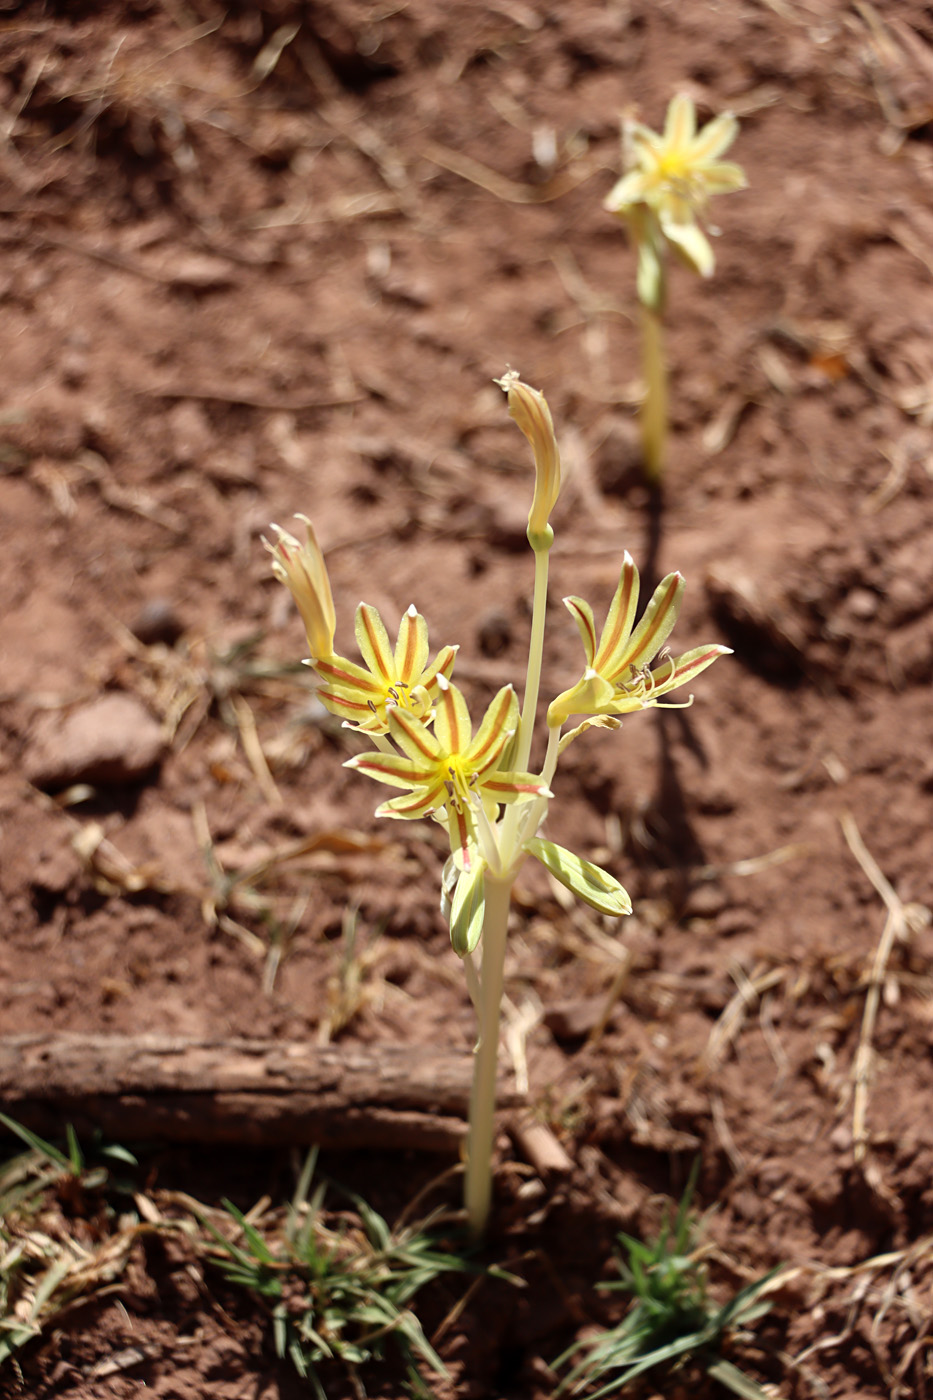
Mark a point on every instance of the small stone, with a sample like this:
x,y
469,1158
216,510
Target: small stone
x,y
574,1019
495,633
111,740
508,528
57,866
733,921
157,621
862,603
704,902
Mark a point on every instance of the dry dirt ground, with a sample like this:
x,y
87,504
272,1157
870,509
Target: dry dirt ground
x,y
262,258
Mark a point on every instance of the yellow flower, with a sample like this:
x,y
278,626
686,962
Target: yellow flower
x,y
301,568
391,679
529,409
672,177
451,769
618,678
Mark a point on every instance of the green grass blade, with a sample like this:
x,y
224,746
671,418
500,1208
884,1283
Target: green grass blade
x,y
257,1244
34,1141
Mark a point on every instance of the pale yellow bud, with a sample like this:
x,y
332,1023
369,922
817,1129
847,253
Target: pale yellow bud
x,y
301,568
529,409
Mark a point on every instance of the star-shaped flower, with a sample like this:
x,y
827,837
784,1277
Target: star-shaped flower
x,y
618,678
451,768
364,696
672,177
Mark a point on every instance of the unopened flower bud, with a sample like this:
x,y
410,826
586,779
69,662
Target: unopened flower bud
x,y
529,409
301,568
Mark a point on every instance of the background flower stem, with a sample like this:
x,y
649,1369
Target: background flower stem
x,y
654,408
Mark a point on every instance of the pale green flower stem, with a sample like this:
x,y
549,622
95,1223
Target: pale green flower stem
x,y
498,892
522,754
478,1188
654,408
535,654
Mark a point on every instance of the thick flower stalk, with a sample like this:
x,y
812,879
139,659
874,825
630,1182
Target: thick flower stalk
x,y
479,784
529,408
669,180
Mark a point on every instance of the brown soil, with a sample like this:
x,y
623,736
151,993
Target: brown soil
x,y
231,294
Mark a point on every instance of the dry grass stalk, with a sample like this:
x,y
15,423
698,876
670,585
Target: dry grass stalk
x,y
902,921
732,1018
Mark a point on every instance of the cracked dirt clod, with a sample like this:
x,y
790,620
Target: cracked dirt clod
x,y
112,740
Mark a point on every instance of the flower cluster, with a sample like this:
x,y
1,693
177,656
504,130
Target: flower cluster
x,y
424,740
409,705
670,180
390,678
478,782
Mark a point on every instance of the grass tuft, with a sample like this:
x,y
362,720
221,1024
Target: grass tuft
x,y
336,1285
672,1321
335,1293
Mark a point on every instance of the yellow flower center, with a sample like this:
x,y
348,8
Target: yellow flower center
x,y
460,781
673,166
400,695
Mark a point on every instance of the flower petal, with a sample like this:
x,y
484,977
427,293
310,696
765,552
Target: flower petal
x,y
683,668
373,642
348,678
495,731
590,696
582,614
643,142
594,722
515,786
442,665
451,719
354,711
393,769
413,737
691,245
618,628
411,649
717,136
302,569
631,189
681,123
460,830
420,803
653,630
528,407
723,177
